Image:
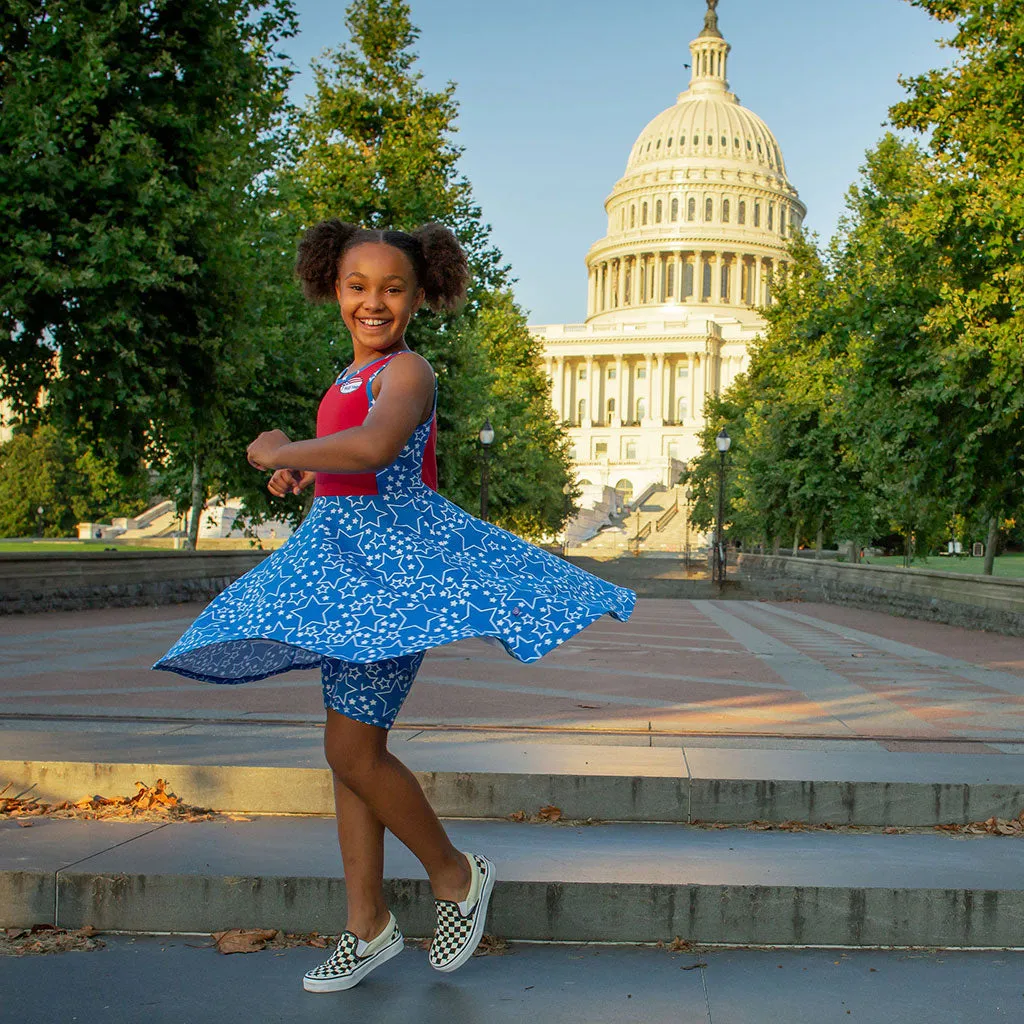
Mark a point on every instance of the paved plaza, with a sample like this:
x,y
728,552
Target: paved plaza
x,y
726,672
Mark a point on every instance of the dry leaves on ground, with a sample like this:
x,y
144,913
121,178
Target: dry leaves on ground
x,y
777,826
492,945
45,938
989,827
677,945
550,814
149,803
252,940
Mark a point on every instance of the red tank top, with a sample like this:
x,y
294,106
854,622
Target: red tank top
x,y
346,404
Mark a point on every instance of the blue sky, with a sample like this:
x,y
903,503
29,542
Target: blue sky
x,y
553,93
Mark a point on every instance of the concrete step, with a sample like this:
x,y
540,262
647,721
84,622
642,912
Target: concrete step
x,y
554,984
624,883
494,778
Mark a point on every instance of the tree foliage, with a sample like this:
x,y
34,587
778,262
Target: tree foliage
x,y
374,146
45,469
887,393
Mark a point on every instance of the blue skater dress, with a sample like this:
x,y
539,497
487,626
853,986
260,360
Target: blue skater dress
x,y
381,570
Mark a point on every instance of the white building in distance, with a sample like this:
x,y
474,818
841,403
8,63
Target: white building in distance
x,y
697,231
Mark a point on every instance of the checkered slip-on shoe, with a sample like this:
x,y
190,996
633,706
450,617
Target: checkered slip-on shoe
x,y
460,926
348,964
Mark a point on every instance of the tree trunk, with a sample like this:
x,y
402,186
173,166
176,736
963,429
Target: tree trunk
x,y
198,500
819,540
776,544
990,546
796,538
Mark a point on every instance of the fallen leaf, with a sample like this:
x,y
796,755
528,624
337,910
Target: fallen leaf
x,y
492,945
517,816
24,823
549,813
693,967
243,940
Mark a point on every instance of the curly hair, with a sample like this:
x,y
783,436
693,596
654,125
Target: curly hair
x,y
437,259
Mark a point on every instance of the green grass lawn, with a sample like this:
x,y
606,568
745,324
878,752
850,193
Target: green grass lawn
x,y
67,547
1009,566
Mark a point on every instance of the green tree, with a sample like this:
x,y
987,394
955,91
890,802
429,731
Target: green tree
x,y
375,147
973,115
133,138
71,483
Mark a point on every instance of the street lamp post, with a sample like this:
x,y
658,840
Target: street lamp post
x,y
39,520
486,440
722,442
566,491
687,498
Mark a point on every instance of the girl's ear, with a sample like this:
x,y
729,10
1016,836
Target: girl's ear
x,y
337,290
418,300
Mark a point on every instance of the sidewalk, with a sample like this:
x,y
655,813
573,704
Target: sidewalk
x,y
169,980
787,676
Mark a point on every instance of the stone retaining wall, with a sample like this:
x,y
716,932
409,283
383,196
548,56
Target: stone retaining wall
x,y
46,582
976,602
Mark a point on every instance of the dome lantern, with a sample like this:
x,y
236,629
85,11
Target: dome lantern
x,y
708,55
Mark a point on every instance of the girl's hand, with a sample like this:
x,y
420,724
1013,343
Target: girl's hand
x,y
289,481
261,453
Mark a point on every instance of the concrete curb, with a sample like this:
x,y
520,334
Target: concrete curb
x,y
480,794
555,911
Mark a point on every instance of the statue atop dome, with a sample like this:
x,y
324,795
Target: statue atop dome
x,y
711,20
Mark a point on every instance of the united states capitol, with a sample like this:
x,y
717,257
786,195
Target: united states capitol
x,y
698,230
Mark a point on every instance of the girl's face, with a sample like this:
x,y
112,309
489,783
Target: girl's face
x,y
378,294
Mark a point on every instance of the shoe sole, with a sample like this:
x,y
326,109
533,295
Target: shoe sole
x,y
389,952
478,925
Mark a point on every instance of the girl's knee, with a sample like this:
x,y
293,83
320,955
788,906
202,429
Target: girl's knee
x,y
353,749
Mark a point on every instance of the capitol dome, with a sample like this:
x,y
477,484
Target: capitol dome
x,y
704,210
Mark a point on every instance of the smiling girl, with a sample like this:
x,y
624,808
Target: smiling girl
x,y
383,569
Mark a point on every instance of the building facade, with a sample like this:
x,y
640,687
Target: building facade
x,y
698,228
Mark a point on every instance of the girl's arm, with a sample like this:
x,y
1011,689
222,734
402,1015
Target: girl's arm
x,y
404,402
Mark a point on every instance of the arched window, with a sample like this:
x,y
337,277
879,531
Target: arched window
x,y
691,209
687,288
624,489
741,213
675,209
581,411
632,216
709,209
611,408
725,211
585,483
641,409
657,212
643,214
705,289
782,220
771,216
757,215
725,282
682,410
631,451
670,284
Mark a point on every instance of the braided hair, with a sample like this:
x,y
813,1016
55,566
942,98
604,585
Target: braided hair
x,y
433,250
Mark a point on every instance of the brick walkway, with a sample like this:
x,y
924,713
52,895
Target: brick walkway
x,y
722,668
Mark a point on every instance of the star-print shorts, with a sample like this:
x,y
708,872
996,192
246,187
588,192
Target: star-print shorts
x,y
372,693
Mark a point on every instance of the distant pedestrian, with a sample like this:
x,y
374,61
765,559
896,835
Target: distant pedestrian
x,y
382,569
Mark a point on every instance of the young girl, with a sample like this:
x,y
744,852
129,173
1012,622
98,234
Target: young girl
x,y
382,569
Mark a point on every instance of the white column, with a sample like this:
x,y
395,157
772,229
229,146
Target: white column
x,y
625,412
588,391
618,392
649,363
716,279
655,379
692,379
758,295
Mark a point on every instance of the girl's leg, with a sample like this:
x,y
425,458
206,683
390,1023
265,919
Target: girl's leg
x,y
391,798
361,837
